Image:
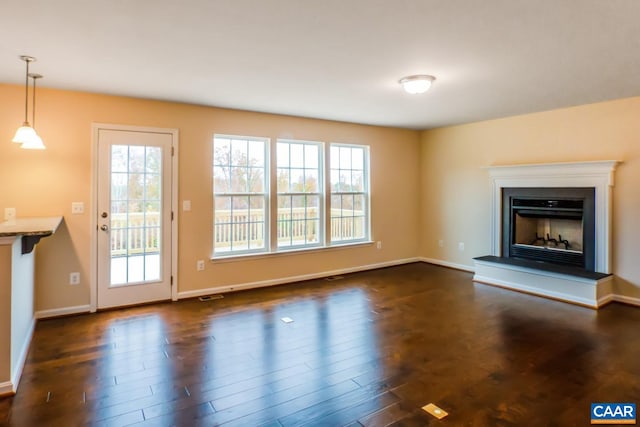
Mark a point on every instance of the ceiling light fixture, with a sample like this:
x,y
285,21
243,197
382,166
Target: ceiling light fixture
x,y
419,83
26,135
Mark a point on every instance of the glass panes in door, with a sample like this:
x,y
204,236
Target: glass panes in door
x,y
136,214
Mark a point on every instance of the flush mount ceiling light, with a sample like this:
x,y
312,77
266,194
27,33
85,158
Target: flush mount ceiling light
x,y
26,134
419,83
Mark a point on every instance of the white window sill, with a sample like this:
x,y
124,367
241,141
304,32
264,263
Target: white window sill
x,y
288,252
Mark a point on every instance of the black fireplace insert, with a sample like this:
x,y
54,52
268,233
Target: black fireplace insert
x,y
555,225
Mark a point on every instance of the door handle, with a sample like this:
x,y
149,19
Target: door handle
x,y
104,227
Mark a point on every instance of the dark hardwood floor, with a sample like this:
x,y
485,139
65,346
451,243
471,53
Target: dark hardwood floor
x,y
370,349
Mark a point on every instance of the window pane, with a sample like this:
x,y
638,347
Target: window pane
x,y
297,180
357,158
136,158
297,155
311,181
256,180
345,158
153,187
239,237
239,152
282,154
310,156
357,181
238,179
334,157
256,153
283,180
335,180
223,209
119,158
336,206
222,152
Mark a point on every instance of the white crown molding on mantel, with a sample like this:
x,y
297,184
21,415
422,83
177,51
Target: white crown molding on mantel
x,y
592,174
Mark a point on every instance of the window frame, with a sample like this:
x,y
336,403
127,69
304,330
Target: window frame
x,y
365,193
320,194
265,195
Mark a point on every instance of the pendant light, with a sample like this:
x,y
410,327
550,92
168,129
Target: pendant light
x,y
35,142
25,133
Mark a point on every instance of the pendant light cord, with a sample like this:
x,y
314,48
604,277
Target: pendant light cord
x,y
33,106
26,94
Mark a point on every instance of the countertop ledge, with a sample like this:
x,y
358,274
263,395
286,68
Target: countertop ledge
x,y
42,227
30,229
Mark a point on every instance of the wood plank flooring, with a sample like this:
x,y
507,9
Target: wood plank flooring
x,y
368,350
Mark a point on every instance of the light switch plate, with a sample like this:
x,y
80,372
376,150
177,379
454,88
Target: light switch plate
x,y
186,205
9,214
77,208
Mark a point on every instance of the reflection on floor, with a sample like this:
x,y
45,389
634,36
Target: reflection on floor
x,y
370,349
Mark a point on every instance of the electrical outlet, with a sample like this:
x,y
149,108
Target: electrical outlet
x,y
186,205
77,208
441,243
9,214
379,244
74,278
200,265
461,246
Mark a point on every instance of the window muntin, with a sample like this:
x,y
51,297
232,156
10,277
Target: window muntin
x,y
349,193
240,187
300,194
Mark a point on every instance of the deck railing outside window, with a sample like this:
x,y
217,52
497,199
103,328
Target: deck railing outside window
x,y
348,226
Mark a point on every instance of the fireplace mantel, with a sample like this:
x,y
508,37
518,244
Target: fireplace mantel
x,y
595,174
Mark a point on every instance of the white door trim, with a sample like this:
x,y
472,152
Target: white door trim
x,y
93,269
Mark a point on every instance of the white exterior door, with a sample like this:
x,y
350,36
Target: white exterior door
x,y
134,230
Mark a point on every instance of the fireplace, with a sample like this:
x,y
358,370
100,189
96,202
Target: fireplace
x,y
551,231
555,225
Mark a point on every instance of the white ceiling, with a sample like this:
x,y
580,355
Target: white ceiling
x,y
334,59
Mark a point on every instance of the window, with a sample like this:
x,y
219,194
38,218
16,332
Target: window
x,y
300,195
304,206
240,188
349,193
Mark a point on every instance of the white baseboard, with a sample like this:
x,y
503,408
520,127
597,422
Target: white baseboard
x,y
448,264
64,311
626,300
22,359
291,279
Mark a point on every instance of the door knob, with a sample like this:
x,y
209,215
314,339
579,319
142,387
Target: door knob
x,y
104,228
104,215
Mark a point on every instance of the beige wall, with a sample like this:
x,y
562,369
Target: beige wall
x,y
44,183
456,191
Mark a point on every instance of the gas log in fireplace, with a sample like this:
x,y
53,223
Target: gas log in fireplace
x,y
555,225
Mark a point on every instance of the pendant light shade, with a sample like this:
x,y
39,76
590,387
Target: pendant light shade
x,y
24,134
33,142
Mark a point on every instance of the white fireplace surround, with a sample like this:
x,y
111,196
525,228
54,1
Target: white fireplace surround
x,y
591,292
596,174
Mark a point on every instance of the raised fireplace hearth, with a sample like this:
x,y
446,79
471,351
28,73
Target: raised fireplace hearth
x,y
551,231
